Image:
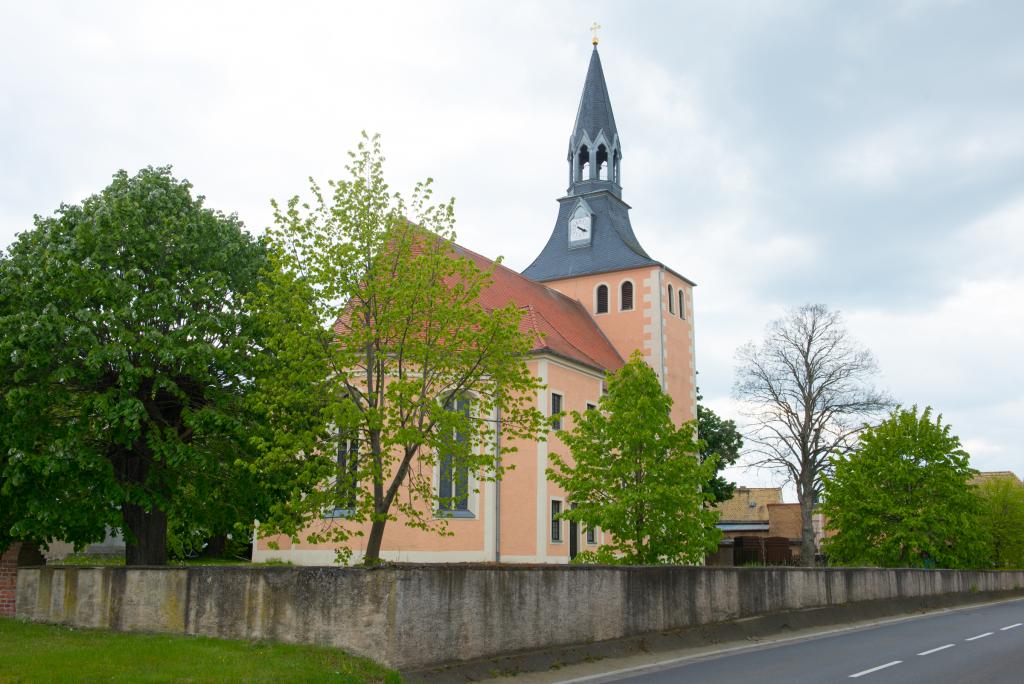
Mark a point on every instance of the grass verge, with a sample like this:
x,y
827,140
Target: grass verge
x,y
95,559
51,653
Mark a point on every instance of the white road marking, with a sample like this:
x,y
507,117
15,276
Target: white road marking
x,y
771,643
875,669
980,636
936,650
1016,624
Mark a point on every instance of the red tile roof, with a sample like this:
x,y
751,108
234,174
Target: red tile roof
x,y
560,325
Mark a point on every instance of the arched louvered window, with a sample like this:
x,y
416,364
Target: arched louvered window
x,y
602,163
626,298
602,299
682,305
671,306
583,164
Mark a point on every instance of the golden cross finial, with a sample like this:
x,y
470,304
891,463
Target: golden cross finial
x,y
595,27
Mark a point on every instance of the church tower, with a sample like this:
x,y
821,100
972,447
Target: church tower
x,y
594,257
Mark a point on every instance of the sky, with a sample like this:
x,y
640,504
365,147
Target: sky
x,y
868,156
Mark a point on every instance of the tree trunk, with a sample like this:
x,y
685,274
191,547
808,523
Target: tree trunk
x,y
215,546
149,528
30,554
807,546
145,531
372,556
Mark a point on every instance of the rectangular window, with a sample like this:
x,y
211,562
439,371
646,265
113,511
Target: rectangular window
x,y
591,407
347,479
556,408
591,535
556,524
453,477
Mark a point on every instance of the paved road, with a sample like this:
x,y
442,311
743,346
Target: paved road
x,y
983,644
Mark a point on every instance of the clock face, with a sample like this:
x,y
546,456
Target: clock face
x,y
579,228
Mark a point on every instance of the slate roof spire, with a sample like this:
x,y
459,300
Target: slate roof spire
x,y
595,111
594,149
603,239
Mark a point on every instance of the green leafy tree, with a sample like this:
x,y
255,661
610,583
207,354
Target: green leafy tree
x,y
637,476
902,498
125,342
723,440
383,345
1002,521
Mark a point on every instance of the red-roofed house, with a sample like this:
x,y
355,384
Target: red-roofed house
x,y
591,298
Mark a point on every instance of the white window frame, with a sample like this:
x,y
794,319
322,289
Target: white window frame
x,y
551,411
472,496
472,511
633,285
609,302
552,521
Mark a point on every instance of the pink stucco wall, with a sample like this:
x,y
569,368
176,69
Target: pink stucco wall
x,y
524,534
672,352
665,339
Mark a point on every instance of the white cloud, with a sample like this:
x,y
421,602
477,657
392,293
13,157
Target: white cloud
x,y
744,133
891,155
991,246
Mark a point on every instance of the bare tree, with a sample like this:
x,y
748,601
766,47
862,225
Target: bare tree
x,y
808,392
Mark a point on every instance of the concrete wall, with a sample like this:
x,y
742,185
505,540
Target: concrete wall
x,y
415,616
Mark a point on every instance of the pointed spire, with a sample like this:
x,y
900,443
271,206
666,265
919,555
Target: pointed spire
x,y
593,199
595,110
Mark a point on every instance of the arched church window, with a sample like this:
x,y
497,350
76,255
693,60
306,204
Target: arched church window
x,y
682,305
671,306
583,163
626,297
602,162
602,299
453,474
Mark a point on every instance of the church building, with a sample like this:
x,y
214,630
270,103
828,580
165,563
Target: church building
x,y
591,297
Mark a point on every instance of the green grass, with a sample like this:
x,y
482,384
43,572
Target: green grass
x,y
90,559
48,653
